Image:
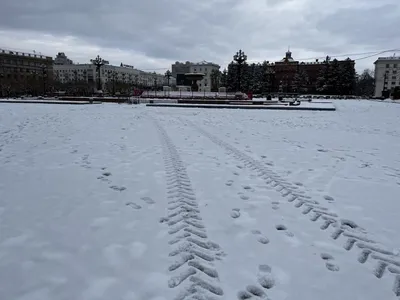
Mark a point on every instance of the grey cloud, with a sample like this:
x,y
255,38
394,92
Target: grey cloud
x,y
141,25
376,26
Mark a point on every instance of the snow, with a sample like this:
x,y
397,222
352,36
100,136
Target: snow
x,y
133,202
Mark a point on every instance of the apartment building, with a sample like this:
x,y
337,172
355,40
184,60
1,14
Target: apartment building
x,y
22,72
67,72
387,75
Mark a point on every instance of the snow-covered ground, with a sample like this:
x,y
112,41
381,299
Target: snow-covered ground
x,y
144,203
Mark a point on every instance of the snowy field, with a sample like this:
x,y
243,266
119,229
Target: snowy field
x,y
145,203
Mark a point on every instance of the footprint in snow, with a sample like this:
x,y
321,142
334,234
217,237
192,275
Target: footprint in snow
x,y
235,213
118,188
275,205
329,264
329,198
244,197
284,228
260,238
229,183
133,205
264,276
148,200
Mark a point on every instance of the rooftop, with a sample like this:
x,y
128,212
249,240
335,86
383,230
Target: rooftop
x,y
17,53
387,58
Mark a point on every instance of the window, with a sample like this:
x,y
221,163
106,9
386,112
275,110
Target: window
x,y
200,69
394,77
393,82
395,66
394,72
387,65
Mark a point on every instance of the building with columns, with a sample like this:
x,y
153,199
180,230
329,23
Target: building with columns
x,y
387,75
70,72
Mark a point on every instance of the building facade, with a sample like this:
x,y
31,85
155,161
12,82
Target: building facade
x,y
24,73
286,70
109,76
62,59
179,70
387,75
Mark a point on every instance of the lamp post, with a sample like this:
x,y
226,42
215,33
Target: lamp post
x,y
43,69
99,62
168,75
155,83
240,58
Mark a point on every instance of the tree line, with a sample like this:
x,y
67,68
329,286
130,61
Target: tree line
x,y
333,78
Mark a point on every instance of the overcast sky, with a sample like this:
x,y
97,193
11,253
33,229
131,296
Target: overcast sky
x,y
152,34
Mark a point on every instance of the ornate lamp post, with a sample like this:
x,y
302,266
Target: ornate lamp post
x,y
168,75
99,62
240,58
43,69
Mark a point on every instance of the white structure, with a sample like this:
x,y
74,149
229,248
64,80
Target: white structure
x,y
123,73
387,74
204,67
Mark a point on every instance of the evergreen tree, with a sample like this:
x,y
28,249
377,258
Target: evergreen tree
x,y
300,81
224,78
321,86
215,80
232,77
347,77
365,83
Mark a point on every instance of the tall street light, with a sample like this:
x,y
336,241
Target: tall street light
x,y
168,75
240,58
43,69
99,62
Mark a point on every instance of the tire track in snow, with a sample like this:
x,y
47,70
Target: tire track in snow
x,y
385,261
193,269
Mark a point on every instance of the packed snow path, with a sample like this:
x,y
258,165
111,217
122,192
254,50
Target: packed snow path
x,y
129,202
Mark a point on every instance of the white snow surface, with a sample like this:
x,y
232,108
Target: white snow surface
x,y
145,203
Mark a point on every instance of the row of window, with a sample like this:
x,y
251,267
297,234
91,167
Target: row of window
x,y
388,65
20,62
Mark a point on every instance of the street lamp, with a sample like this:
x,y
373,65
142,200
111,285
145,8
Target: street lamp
x,y
168,75
240,58
43,69
155,83
99,62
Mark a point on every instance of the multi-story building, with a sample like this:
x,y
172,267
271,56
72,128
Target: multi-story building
x,y
62,59
70,73
180,69
285,70
24,72
387,75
